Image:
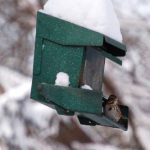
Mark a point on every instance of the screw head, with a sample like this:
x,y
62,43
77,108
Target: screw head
x,y
39,87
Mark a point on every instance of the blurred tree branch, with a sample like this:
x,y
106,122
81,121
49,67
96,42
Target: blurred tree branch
x,y
21,17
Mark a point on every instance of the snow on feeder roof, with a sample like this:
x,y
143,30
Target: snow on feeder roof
x,y
97,15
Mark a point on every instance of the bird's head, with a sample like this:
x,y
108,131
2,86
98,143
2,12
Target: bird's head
x,y
112,99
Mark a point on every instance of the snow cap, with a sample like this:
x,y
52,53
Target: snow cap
x,y
62,79
87,87
97,15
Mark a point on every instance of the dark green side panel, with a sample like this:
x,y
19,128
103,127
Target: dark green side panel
x,y
52,58
74,99
57,58
66,33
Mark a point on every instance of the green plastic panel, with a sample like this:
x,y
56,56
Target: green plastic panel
x,y
114,47
104,121
111,57
73,99
38,56
57,58
52,58
66,33
62,111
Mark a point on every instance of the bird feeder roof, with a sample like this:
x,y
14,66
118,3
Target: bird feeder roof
x,y
69,34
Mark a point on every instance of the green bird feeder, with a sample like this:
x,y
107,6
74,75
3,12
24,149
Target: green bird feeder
x,y
62,46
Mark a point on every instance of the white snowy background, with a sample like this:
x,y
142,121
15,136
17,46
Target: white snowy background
x,y
29,125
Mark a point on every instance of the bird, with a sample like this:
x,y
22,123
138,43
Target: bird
x,y
112,109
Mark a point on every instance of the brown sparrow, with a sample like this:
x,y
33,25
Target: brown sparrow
x,y
112,109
